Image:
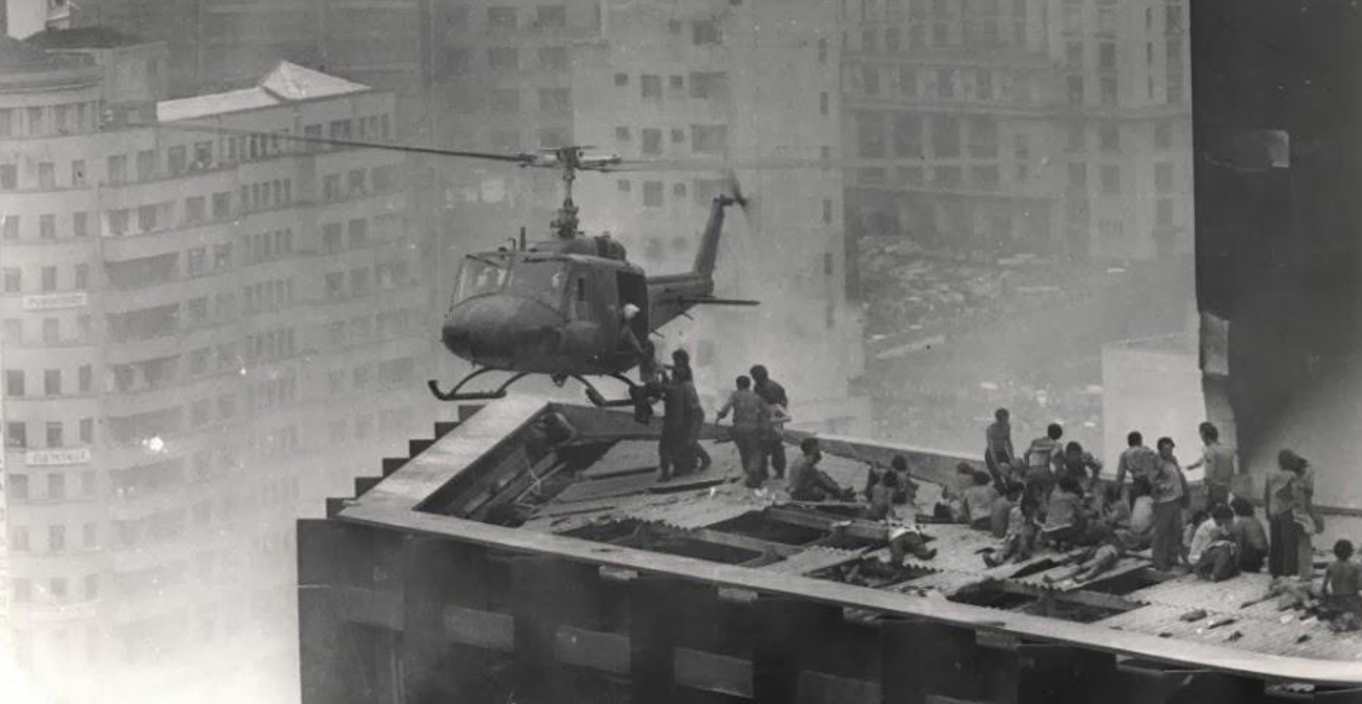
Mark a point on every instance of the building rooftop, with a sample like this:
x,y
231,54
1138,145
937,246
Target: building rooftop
x,y
84,38
598,500
287,83
20,57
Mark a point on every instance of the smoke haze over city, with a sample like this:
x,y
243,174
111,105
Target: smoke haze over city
x,y
209,329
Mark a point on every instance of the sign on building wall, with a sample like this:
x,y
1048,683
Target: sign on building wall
x,y
56,301
57,458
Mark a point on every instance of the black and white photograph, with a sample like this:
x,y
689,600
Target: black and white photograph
x,y
681,351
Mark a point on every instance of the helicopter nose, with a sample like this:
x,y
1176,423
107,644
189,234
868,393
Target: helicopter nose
x,y
500,329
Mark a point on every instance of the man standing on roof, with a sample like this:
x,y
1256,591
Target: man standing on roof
x,y
774,395
1219,463
682,409
1138,461
750,420
998,444
1170,498
1043,463
681,368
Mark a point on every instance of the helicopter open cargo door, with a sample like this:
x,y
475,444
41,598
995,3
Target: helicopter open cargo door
x,y
633,288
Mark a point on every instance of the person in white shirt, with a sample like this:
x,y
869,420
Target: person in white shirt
x,y
1213,529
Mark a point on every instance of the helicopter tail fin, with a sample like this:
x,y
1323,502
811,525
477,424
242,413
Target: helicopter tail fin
x,y
708,253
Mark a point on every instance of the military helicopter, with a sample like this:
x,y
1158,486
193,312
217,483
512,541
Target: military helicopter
x,y
558,307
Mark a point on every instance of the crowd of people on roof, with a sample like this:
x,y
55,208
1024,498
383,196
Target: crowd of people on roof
x,y
1053,496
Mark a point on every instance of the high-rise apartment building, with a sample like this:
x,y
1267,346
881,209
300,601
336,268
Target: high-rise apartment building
x,y
1060,127
203,332
726,83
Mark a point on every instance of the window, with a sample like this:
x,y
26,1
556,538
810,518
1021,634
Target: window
x,y
822,51
503,58
13,332
1111,180
16,435
146,165
358,232
709,139
650,86
945,83
359,281
198,309
13,279
118,168
501,18
85,378
827,211
335,285
331,187
51,331
1075,85
222,255
14,382
146,218
553,58
222,206
705,32
89,537
1078,177
78,172
54,434
9,177
195,260
355,181
550,16
52,382
1163,177
176,160
1163,135
47,227
49,278
621,80
87,431
652,141
91,587
652,194
195,210
82,277
1109,139
360,377
1107,85
623,185
554,100
10,224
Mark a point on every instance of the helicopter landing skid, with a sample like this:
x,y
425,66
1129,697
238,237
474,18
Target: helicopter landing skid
x,y
592,393
454,394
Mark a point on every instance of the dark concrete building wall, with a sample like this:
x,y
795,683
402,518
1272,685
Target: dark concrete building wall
x,y
1277,104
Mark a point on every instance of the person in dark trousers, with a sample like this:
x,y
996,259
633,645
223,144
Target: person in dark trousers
x,y
1292,519
681,369
750,419
682,409
809,483
774,395
998,446
1170,500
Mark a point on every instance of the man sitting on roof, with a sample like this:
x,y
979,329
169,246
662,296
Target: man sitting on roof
x,y
809,483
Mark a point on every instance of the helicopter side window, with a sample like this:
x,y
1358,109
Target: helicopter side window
x,y
480,276
541,280
581,306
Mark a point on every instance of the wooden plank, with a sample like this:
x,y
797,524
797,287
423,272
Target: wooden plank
x,y
821,688
712,672
608,652
624,457
732,540
481,629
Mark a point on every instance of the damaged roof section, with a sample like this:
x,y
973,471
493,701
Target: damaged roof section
x,y
602,489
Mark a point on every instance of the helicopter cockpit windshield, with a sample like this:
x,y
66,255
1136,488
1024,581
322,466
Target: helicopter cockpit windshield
x,y
542,280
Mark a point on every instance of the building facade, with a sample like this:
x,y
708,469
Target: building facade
x,y
704,82
1058,127
190,317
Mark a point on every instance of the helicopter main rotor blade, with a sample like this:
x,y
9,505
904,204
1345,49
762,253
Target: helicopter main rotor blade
x,y
521,159
729,165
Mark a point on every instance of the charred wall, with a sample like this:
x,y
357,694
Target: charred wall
x,y
1277,113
